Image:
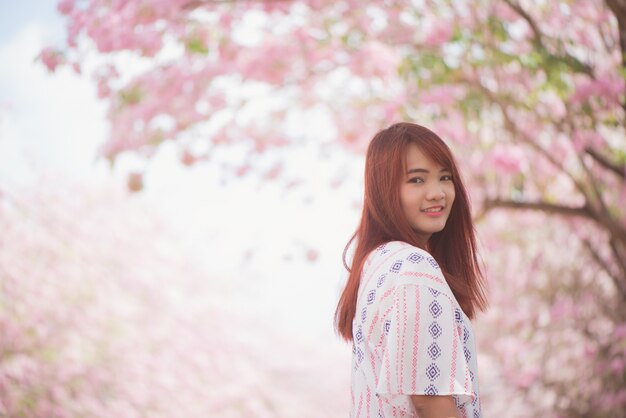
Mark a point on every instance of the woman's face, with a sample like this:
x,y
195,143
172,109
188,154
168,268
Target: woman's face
x,y
426,194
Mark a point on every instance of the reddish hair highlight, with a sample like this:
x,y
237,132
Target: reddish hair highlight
x,y
383,220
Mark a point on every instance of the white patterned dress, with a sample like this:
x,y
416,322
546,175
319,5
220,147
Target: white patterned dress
x,y
411,337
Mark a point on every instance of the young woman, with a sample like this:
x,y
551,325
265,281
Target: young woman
x,y
414,284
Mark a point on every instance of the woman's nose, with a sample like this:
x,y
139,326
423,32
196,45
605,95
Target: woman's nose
x,y
435,192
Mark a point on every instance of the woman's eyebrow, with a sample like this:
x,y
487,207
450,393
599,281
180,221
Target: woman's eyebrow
x,y
423,170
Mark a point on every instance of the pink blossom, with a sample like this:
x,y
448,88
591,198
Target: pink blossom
x,y
505,12
445,96
506,160
620,331
453,128
607,87
584,139
376,59
554,105
188,158
104,90
439,34
274,172
242,170
51,58
312,255
135,182
527,377
618,365
562,308
65,7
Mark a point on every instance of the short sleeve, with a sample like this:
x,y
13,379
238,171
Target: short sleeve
x,y
423,351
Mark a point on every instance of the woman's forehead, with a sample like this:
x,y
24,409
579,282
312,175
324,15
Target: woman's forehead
x,y
416,158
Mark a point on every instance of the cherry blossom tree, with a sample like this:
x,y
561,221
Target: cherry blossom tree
x,y
531,96
94,322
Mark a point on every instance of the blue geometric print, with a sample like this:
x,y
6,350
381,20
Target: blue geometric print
x,y
415,257
433,263
381,280
395,267
387,326
435,308
431,390
360,355
433,292
468,355
371,296
434,351
363,314
359,335
433,372
457,315
434,329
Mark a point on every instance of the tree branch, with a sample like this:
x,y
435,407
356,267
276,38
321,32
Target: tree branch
x,y
537,34
618,169
619,256
619,284
538,40
582,211
513,129
618,233
618,8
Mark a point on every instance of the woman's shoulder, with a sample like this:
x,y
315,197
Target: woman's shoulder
x,y
408,263
398,250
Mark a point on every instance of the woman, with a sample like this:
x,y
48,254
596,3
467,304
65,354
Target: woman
x,y
414,284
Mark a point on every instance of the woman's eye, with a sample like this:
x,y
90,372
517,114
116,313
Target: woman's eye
x,y
416,180
446,178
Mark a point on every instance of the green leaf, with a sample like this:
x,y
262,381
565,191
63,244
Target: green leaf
x,y
196,46
131,95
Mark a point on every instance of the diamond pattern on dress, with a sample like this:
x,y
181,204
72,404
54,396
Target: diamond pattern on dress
x,y
457,315
358,336
371,296
434,351
431,390
434,329
381,280
433,262
433,372
387,326
360,355
435,308
396,266
415,257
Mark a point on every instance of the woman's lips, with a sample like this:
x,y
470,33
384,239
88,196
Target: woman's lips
x,y
433,212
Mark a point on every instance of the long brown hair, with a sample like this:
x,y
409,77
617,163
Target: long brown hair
x,y
383,220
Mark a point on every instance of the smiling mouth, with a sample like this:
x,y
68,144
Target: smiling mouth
x,y
435,209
